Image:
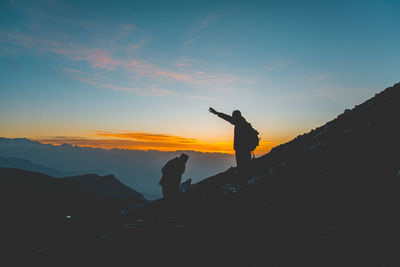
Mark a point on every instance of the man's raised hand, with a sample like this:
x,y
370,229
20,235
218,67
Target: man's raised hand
x,y
212,110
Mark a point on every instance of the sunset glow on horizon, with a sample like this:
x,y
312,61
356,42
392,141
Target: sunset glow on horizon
x,y
149,141
142,74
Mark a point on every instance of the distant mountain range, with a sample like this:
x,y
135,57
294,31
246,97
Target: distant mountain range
x,y
28,165
137,169
90,185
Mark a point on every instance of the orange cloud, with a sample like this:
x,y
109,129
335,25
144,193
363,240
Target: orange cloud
x,y
150,141
150,137
163,145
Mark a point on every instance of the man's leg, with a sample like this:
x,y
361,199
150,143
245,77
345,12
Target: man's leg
x,y
165,191
242,158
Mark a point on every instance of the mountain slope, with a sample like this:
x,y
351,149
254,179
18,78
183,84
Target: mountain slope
x,y
327,198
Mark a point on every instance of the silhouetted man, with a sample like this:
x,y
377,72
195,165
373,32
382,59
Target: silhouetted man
x,y
240,143
172,175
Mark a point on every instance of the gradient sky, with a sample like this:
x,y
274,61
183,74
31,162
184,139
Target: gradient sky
x,y
142,74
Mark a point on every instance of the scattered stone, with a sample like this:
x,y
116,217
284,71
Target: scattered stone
x,y
230,189
108,235
259,178
42,250
185,186
321,132
35,236
254,180
370,103
128,227
139,222
131,209
315,147
347,131
327,168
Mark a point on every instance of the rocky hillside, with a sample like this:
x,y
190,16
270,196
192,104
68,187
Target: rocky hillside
x,y
327,198
103,186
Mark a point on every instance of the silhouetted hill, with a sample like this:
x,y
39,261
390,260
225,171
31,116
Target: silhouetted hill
x,y
38,210
92,185
28,165
327,198
103,186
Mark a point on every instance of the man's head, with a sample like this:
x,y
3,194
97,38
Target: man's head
x,y
236,114
183,157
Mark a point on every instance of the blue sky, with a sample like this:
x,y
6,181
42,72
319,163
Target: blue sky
x,y
72,70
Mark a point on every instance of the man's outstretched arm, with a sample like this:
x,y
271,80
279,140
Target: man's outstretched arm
x,y
222,115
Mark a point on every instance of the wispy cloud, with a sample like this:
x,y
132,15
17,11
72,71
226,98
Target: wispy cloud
x,y
176,76
207,21
197,32
71,70
104,66
276,65
183,62
101,59
134,48
193,39
128,27
321,77
161,92
128,89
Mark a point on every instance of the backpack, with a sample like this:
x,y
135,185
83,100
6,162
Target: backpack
x,y
253,139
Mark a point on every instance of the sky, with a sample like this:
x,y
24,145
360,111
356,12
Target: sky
x,y
142,74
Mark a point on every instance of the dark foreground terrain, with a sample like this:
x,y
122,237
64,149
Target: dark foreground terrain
x,y
327,198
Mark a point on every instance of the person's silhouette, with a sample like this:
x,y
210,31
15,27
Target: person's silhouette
x,y
240,143
172,175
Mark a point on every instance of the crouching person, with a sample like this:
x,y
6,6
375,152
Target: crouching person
x,y
172,175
